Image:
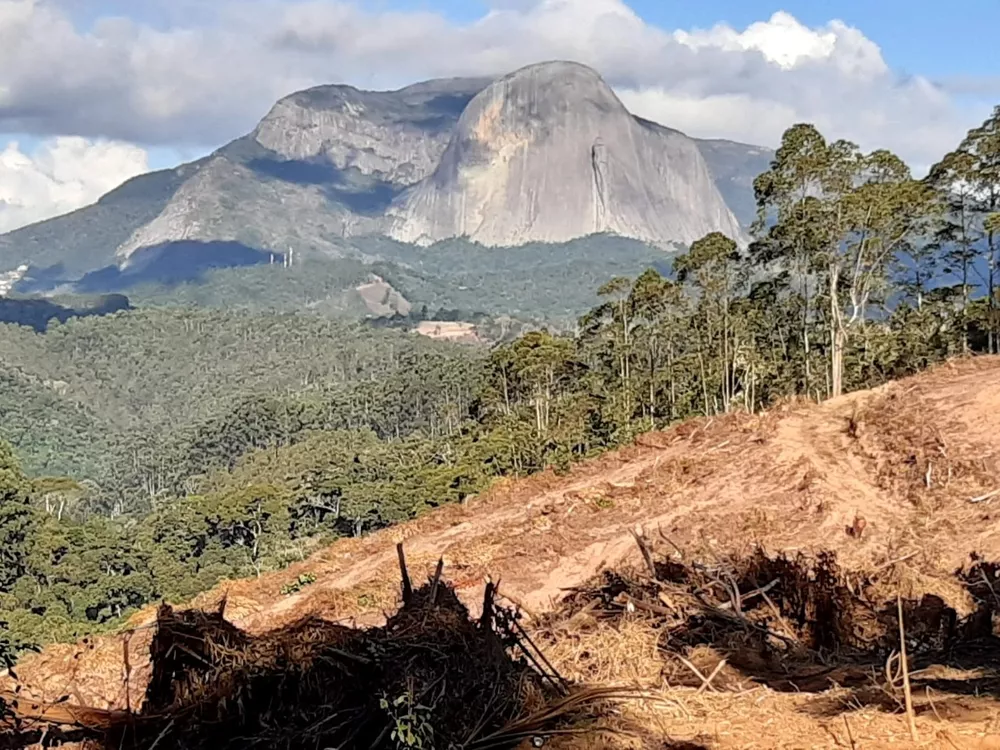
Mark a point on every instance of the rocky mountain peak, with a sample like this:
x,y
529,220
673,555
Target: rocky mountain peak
x,y
549,153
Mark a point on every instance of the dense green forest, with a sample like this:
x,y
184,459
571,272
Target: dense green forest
x,y
150,382
542,283
168,448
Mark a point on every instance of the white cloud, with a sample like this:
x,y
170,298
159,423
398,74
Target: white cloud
x,y
61,175
202,78
787,43
738,117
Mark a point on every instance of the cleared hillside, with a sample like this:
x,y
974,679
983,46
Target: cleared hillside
x,y
917,460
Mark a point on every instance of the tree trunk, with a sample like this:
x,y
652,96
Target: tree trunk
x,y
704,383
836,338
993,345
506,391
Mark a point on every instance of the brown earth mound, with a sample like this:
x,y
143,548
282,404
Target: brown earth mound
x,y
899,483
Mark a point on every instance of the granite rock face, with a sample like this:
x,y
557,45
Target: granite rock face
x,y
734,167
396,136
549,153
226,201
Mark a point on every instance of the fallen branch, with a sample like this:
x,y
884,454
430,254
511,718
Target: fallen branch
x,y
742,620
520,603
905,669
647,556
984,498
715,673
437,579
898,560
706,682
552,674
670,541
744,598
850,734
647,607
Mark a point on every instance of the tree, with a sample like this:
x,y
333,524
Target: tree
x,y
658,306
981,148
956,230
712,266
839,215
534,370
791,222
613,319
18,521
889,214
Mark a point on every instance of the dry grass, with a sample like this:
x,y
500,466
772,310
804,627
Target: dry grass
x,y
764,694
921,453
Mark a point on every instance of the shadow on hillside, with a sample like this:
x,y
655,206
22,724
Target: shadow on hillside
x,y
173,263
359,193
806,626
38,313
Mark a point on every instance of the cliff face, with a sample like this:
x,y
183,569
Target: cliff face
x,y
549,153
395,136
734,167
228,201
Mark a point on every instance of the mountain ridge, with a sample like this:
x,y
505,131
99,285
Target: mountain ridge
x,y
319,173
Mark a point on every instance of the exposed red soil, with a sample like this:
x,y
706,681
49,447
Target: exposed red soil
x,y
877,477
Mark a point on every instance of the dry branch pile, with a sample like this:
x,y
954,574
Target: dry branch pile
x,y
792,623
432,677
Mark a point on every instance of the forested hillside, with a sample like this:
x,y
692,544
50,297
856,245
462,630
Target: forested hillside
x,y
210,444
152,378
545,283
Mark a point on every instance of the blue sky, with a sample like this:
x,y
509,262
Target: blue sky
x,y
166,81
907,31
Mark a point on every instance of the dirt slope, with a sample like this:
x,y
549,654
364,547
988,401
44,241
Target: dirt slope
x,y
907,458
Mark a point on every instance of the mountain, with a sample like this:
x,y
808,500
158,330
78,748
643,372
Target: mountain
x,y
734,167
329,169
549,153
393,137
68,246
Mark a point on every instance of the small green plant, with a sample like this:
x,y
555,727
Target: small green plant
x,y
604,503
412,726
298,584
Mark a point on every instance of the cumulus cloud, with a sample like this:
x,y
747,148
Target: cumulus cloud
x,y
205,80
61,175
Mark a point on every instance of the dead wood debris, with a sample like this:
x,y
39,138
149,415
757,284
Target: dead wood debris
x,y
797,623
431,675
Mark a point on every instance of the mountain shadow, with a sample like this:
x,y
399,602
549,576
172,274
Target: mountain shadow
x,y
359,193
175,263
38,313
